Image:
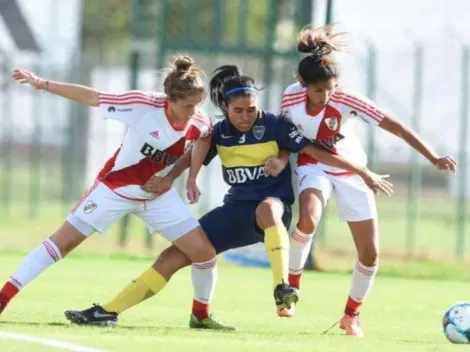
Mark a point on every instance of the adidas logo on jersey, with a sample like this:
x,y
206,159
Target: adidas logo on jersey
x,y
154,134
111,109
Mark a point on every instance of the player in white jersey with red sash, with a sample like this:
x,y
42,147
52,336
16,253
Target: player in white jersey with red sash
x,y
161,127
326,114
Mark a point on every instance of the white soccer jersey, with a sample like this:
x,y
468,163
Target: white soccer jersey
x,y
333,126
151,143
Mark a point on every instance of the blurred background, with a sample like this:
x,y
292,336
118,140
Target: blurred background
x,y
411,57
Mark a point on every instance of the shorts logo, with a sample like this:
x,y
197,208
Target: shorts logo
x,y
302,180
258,132
332,123
89,207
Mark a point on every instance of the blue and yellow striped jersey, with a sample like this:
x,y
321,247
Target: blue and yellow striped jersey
x,y
243,155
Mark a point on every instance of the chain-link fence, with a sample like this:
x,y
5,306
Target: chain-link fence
x,y
51,149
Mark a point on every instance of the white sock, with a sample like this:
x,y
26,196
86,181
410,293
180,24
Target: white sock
x,y
300,244
204,276
35,263
362,280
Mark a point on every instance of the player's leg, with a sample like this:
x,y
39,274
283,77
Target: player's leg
x,y
215,223
170,217
147,285
269,219
96,211
356,205
54,248
314,189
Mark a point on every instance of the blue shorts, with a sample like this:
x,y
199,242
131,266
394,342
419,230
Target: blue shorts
x,y
233,226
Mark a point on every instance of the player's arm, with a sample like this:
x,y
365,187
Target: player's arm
x,y
275,164
76,92
160,185
399,129
291,138
199,153
202,154
356,106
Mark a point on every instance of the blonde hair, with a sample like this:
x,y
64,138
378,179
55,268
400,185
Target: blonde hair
x,y
184,78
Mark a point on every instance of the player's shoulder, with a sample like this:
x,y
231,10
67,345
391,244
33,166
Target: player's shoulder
x,y
346,96
293,95
200,118
294,88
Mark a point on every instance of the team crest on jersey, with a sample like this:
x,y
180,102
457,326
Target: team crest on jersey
x,y
332,123
89,207
258,132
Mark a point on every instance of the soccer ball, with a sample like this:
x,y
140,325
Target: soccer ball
x,y
456,323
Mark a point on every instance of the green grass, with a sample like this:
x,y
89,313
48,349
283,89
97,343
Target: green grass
x,y
400,315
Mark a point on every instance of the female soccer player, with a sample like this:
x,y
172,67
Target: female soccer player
x,y
325,113
161,127
257,207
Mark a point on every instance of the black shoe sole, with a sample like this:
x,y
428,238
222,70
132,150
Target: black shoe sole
x,y
79,319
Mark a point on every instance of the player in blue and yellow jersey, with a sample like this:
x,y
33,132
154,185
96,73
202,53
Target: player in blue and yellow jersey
x,y
254,147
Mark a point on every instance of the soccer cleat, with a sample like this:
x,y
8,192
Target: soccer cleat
x,y
286,312
285,297
352,325
210,323
95,316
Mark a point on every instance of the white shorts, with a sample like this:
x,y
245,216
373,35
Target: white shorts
x,y
354,200
100,207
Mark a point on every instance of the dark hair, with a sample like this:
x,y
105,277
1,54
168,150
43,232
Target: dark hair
x,y
228,82
184,78
319,43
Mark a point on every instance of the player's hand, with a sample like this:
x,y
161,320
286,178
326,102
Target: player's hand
x,y
158,185
192,191
446,163
274,166
377,183
24,76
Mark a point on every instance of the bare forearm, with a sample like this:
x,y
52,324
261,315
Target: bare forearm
x,y
75,92
284,155
396,127
330,159
181,165
199,153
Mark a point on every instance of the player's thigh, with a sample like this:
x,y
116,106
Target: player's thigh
x,y
314,192
231,226
269,213
355,201
169,216
98,209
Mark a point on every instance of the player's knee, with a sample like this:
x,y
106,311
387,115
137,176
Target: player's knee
x,y
201,252
307,222
269,213
368,256
67,238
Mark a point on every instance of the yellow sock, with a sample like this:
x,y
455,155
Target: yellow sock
x,y
276,242
145,286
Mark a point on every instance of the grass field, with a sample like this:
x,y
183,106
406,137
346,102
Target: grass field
x,y
400,315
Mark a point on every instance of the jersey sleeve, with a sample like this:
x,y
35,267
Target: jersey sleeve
x,y
288,136
203,124
354,105
215,136
129,107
